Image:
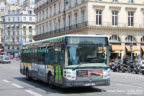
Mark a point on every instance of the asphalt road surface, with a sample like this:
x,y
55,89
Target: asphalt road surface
x,y
12,83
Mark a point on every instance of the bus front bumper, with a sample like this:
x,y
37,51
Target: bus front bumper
x,y
102,82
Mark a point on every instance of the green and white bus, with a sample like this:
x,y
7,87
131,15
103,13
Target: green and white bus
x,y
68,61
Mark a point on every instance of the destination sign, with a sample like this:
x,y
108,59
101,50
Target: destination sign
x,y
87,40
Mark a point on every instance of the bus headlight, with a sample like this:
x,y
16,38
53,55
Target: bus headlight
x,y
106,74
69,74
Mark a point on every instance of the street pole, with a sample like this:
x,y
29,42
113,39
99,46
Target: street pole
x,y
4,37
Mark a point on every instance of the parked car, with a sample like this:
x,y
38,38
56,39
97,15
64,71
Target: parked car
x,y
5,59
1,58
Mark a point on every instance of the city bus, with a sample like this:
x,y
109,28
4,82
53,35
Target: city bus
x,y
67,61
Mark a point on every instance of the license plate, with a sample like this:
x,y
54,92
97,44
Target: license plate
x,y
89,84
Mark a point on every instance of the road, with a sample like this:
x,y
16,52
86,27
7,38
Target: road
x,y
12,83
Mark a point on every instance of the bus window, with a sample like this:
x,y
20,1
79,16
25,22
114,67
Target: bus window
x,y
50,57
56,57
61,57
40,57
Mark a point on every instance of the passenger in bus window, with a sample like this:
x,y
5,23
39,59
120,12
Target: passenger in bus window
x,y
76,59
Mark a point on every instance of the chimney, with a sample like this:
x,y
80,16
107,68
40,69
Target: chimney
x,y
18,2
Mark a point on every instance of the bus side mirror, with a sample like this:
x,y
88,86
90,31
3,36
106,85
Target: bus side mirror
x,y
63,46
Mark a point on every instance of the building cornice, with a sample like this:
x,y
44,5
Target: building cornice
x,y
98,7
133,9
115,8
113,3
116,29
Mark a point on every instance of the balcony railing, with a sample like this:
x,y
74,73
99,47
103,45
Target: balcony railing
x,y
90,24
62,30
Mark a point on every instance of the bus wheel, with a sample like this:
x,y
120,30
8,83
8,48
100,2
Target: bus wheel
x,y
27,75
50,81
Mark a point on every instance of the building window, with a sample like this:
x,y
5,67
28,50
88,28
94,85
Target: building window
x,y
18,19
75,18
13,18
13,11
115,1
9,19
50,11
69,3
82,1
24,18
9,11
24,39
83,16
59,7
54,27
114,18
30,12
30,32
17,39
130,38
130,1
69,21
98,17
13,32
18,11
130,18
24,32
54,9
17,32
98,0
8,32
30,39
143,19
1,10
30,18
76,2
114,38
59,25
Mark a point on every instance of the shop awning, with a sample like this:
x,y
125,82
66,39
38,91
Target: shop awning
x,y
102,48
135,48
117,48
142,47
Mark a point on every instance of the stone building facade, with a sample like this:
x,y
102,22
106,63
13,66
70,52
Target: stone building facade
x,y
121,20
18,28
5,6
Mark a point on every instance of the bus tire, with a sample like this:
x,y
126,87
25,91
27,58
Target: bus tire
x,y
27,75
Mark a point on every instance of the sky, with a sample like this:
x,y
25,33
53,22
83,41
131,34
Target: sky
x,y
16,0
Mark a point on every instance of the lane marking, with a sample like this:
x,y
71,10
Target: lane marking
x,y
33,93
6,81
16,85
119,84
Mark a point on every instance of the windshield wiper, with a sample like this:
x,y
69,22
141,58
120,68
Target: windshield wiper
x,y
77,66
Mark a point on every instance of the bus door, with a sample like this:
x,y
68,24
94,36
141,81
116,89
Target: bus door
x,y
56,66
58,60
35,66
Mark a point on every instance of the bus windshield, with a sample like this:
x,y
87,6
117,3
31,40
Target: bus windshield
x,y
89,53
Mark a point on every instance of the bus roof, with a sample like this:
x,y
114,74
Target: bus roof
x,y
63,36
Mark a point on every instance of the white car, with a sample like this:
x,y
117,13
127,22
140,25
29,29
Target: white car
x,y
5,59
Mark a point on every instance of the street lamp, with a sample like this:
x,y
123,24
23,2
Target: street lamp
x,y
65,3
